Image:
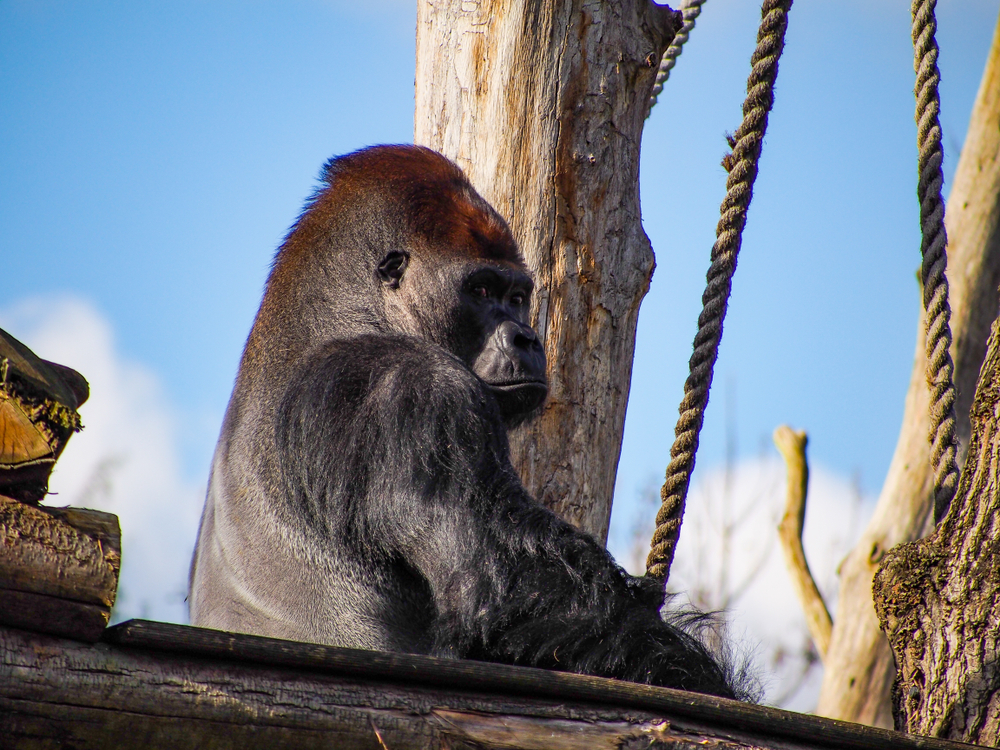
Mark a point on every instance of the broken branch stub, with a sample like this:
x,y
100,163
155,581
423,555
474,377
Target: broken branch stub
x,y
792,446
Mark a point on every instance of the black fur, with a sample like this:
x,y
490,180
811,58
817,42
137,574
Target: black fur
x,y
362,492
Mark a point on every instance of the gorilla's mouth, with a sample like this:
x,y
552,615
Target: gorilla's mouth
x,y
514,385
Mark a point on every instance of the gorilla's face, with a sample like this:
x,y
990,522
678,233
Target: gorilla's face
x,y
509,357
478,310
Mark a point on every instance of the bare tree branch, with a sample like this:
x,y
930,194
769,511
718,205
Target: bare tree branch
x,y
792,446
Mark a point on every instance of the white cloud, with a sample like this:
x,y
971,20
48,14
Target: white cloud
x,y
729,558
126,460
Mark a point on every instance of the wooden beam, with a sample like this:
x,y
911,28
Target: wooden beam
x,y
154,685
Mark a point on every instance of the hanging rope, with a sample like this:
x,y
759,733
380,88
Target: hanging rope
x,y
940,370
690,10
742,165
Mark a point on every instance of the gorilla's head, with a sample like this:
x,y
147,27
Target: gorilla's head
x,y
408,246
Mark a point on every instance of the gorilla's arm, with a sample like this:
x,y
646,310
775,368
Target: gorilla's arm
x,y
397,451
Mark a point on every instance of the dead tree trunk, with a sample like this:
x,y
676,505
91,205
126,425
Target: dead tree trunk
x,y
542,103
938,599
858,669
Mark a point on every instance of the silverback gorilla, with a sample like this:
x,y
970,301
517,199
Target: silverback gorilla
x,y
361,491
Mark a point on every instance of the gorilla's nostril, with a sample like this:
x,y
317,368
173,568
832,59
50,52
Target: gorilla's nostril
x,y
524,342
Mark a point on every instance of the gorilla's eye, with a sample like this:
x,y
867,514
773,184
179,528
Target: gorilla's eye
x,y
517,299
480,290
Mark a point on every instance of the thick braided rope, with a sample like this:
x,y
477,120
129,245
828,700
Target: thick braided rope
x,y
690,10
940,369
742,165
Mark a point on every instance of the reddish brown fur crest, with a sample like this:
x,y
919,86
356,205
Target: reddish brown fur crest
x,y
440,204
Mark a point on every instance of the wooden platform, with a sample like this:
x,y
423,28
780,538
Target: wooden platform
x,y
154,685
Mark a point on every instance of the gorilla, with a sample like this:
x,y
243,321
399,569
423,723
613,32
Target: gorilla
x,y
361,492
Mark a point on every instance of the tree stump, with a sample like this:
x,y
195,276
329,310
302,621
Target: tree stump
x,y
859,669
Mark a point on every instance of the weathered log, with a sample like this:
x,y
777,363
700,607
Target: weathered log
x,y
938,599
543,104
58,568
38,403
152,685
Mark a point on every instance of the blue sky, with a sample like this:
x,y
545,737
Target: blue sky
x,y
152,156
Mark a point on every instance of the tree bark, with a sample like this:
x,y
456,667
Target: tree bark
x,y
859,669
542,103
938,599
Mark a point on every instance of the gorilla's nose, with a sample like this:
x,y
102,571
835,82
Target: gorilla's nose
x,y
522,351
514,336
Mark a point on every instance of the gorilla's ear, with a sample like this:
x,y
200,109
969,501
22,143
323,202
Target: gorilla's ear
x,y
391,269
